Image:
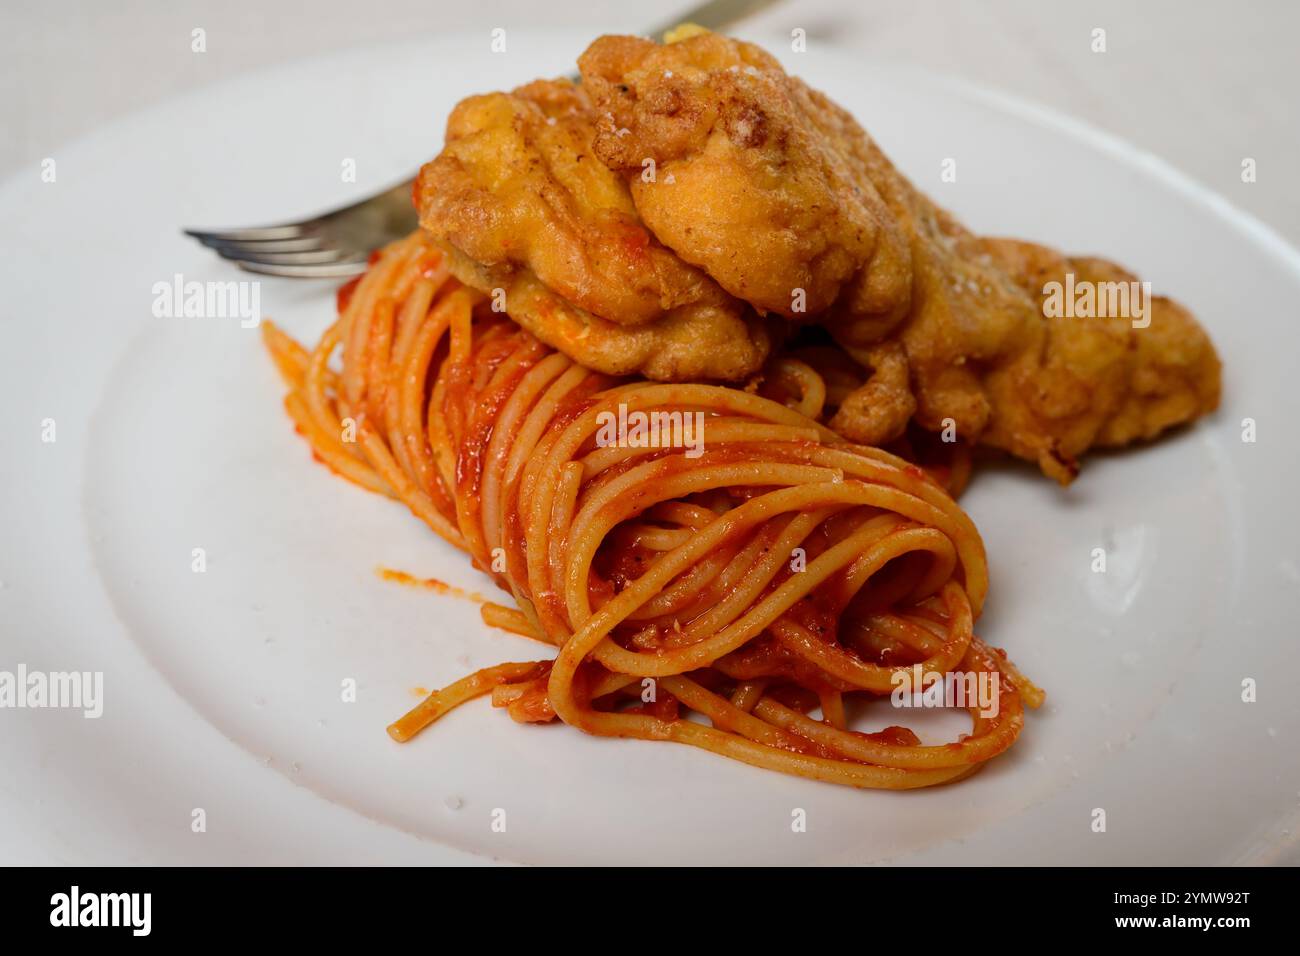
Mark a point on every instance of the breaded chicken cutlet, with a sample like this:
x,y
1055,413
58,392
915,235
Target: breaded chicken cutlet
x,y
770,187
683,209
521,204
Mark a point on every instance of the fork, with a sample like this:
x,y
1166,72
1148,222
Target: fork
x,y
338,243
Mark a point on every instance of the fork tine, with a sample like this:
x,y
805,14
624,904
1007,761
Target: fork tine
x,y
245,235
308,257
302,244
327,270
335,243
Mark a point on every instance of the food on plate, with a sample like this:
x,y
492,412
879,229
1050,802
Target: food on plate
x,y
768,572
693,373
785,200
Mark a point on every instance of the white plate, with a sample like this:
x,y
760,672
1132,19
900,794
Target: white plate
x,y
222,689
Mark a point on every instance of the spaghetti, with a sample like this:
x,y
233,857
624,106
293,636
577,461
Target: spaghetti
x,y
774,571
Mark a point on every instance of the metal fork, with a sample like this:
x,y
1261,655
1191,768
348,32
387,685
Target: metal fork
x,y
338,243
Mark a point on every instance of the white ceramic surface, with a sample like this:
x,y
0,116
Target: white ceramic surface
x,y
222,689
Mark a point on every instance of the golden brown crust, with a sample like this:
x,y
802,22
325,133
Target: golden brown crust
x,y
523,206
877,412
687,344
747,181
633,221
769,186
